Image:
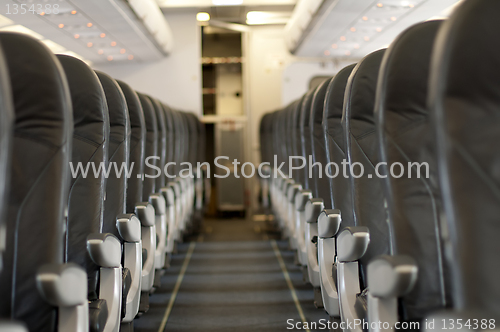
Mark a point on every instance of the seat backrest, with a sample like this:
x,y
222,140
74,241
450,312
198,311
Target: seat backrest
x,y
150,148
178,139
90,148
170,127
185,139
263,137
137,143
118,153
193,139
279,139
6,130
295,141
335,146
413,200
320,183
362,147
38,184
305,136
465,100
162,141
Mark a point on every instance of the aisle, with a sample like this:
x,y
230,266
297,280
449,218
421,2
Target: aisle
x,y
231,281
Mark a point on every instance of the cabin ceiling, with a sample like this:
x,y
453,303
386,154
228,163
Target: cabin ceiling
x,y
95,30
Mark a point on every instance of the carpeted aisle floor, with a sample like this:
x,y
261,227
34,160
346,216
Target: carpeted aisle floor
x,y
230,279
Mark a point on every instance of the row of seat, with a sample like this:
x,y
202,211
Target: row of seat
x,y
82,250
399,249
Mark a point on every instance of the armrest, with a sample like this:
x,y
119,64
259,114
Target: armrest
x,y
62,285
13,327
129,227
313,209
292,191
285,184
391,276
329,223
301,199
168,195
158,202
104,249
352,243
146,214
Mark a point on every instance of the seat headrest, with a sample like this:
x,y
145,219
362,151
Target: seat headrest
x,y
151,147
318,104
305,113
39,89
90,110
360,90
404,74
334,99
136,116
119,120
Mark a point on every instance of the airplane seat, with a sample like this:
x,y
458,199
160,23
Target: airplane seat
x,y
134,200
320,187
286,132
412,196
6,130
168,190
150,207
126,227
340,215
264,198
464,99
276,177
370,235
185,179
85,243
37,291
206,184
296,186
158,198
195,218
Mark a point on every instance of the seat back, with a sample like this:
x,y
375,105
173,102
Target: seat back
x,y
320,184
118,153
294,139
161,143
178,138
6,129
335,145
90,146
137,143
413,200
305,136
169,126
465,99
193,139
38,184
150,148
264,137
362,147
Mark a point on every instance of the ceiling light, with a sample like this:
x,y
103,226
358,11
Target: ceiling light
x,y
61,26
255,17
203,17
353,29
42,13
130,57
379,5
77,36
326,52
347,52
365,18
227,2
73,12
113,43
378,29
393,18
123,51
102,35
89,25
90,44
356,46
366,38
334,46
100,52
342,38
110,58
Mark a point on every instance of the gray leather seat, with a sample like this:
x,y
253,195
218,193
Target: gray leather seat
x,y
38,186
464,98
